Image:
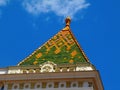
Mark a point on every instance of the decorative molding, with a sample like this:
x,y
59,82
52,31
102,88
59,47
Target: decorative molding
x,y
48,67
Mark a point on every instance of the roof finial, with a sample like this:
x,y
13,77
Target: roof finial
x,y
68,20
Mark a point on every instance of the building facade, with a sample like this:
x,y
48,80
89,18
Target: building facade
x,y
59,64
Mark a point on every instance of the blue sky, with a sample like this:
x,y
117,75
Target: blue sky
x,y
27,24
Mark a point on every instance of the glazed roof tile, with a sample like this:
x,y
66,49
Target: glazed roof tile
x,y
62,48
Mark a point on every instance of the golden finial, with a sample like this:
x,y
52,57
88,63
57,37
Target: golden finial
x,y
68,20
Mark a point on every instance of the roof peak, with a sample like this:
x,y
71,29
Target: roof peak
x,y
60,49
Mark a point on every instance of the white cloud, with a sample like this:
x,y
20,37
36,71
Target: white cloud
x,y
59,7
3,2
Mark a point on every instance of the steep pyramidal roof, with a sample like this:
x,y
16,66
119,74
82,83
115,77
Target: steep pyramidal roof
x,y
60,49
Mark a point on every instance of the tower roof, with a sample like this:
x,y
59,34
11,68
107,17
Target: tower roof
x,y
62,48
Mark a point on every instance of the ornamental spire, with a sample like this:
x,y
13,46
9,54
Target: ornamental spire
x,y
68,20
